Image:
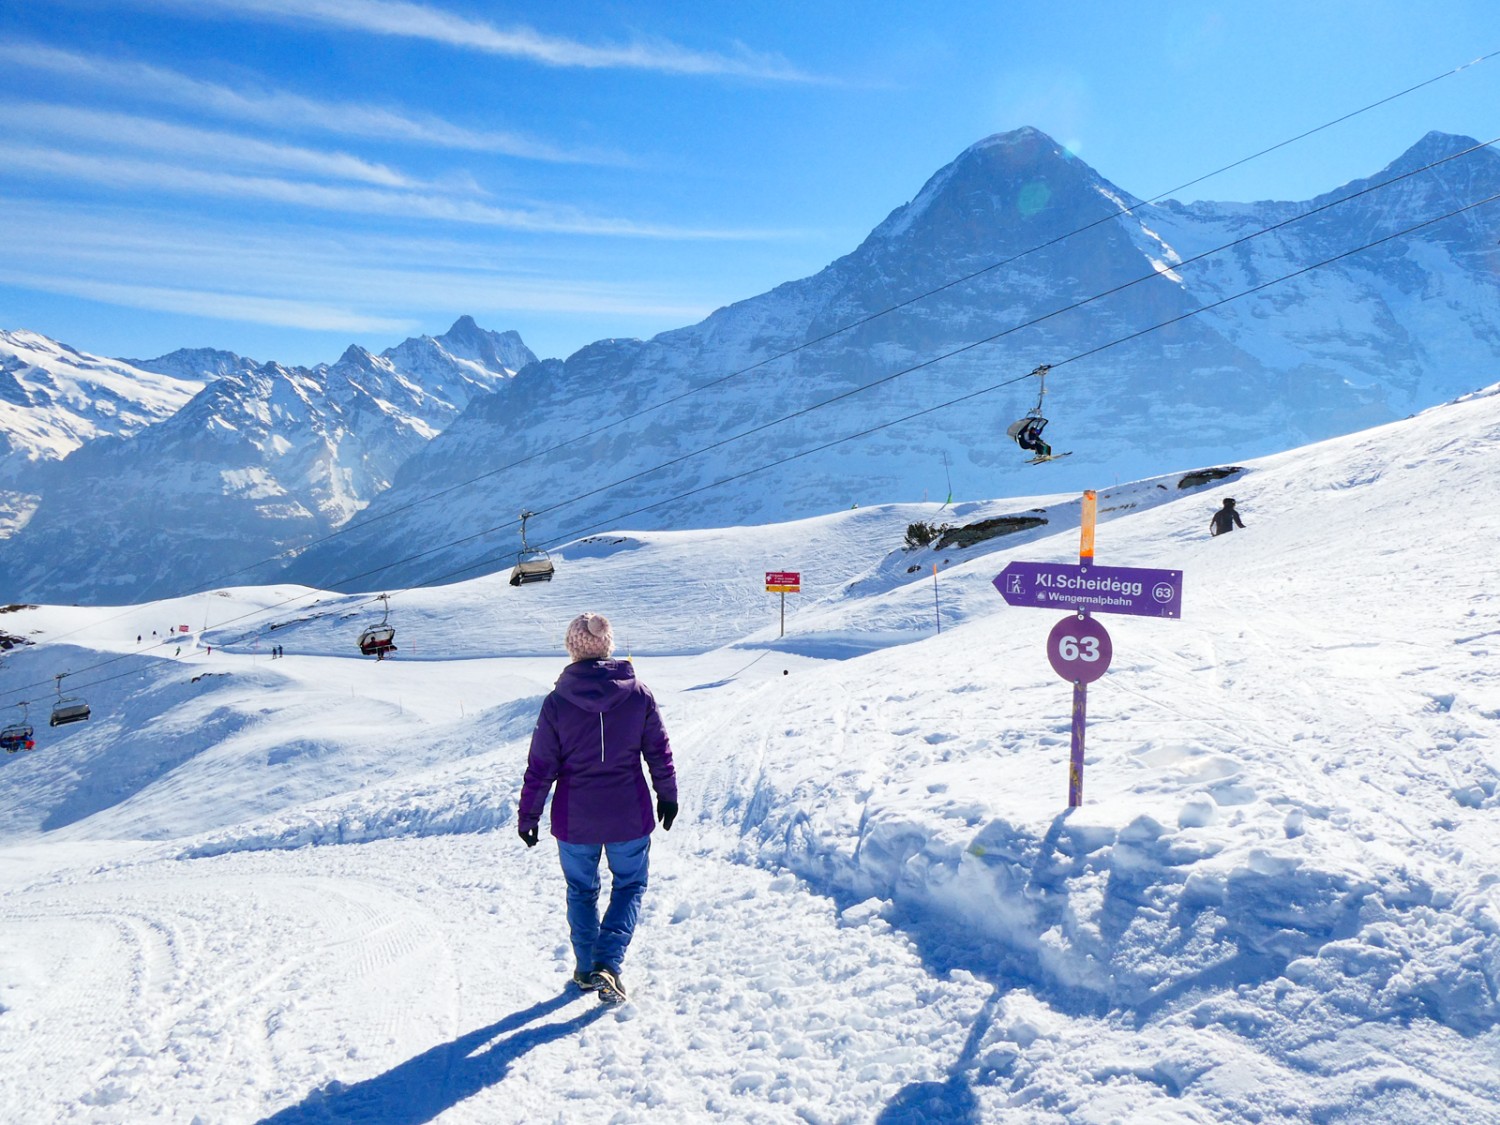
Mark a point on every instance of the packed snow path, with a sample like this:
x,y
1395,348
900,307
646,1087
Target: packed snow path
x,y
399,980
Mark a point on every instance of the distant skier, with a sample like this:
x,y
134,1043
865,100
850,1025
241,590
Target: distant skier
x,y
1225,519
593,731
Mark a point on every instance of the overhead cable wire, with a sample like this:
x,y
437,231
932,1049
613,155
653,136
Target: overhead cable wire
x,y
355,525
970,346
615,518
358,524
260,611
841,396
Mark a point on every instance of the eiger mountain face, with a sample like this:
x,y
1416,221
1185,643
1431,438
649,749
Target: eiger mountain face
x,y
259,461
916,346
1365,339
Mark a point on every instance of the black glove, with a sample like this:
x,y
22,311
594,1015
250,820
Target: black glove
x,y
529,835
666,812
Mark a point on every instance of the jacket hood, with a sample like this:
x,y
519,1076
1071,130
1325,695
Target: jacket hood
x,y
596,685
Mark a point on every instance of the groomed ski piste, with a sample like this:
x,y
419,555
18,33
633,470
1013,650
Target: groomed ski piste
x,y
290,890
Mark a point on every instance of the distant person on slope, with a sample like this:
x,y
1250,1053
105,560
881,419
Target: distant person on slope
x,y
593,731
1225,519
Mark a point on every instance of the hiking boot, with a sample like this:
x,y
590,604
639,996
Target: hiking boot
x,y
583,981
611,988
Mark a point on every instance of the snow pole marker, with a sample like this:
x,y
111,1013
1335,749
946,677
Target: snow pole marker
x,y
936,610
1078,647
783,582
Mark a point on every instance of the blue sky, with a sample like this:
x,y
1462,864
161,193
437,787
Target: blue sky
x,y
283,177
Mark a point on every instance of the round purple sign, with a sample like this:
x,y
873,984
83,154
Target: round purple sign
x,y
1079,649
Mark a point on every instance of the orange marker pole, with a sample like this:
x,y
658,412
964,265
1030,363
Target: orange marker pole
x,y
1088,514
1086,528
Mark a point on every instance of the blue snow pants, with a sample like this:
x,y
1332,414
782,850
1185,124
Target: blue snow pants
x,y
596,944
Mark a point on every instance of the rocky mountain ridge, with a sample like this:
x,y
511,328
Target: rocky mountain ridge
x,y
261,460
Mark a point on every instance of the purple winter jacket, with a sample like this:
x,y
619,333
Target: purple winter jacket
x,y
593,731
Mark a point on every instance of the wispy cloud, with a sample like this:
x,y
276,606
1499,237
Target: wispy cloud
x,y
421,21
282,275
121,130
278,311
283,110
119,173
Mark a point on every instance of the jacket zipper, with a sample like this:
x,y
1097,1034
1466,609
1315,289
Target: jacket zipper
x,y
601,736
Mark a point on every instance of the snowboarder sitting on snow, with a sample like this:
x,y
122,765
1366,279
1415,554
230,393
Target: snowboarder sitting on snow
x,y
1225,519
1028,435
594,729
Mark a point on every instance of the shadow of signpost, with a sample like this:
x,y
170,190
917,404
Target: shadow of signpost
x,y
422,1087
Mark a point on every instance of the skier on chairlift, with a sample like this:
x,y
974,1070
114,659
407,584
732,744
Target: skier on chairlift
x,y
1027,432
1028,435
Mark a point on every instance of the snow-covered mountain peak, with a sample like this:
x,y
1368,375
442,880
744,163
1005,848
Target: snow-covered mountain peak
x,y
497,351
55,398
1000,193
1434,146
200,364
356,356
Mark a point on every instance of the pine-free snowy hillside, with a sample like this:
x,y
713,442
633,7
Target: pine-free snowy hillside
x,y
289,890
1159,361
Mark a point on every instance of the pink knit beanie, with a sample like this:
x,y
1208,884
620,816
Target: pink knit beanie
x,y
590,637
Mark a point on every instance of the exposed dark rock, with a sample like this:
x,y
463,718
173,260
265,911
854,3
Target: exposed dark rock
x,y
1205,476
972,533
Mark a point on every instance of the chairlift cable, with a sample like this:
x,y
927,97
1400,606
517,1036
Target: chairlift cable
x,y
868,318
896,421
850,326
842,395
615,519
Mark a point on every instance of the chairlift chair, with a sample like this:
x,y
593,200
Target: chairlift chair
x,y
377,640
67,709
18,736
1027,432
533,564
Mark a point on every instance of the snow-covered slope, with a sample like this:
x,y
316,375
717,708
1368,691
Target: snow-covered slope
x,y
588,443
262,460
54,399
267,889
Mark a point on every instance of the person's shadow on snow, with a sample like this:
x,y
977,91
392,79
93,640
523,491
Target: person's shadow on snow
x,y
423,1087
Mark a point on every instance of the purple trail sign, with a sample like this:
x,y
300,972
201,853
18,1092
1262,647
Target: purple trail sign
x,y
1100,589
1078,647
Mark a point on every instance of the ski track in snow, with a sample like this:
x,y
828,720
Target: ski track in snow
x,y
290,890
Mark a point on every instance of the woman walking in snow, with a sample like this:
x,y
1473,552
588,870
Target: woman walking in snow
x,y
594,729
